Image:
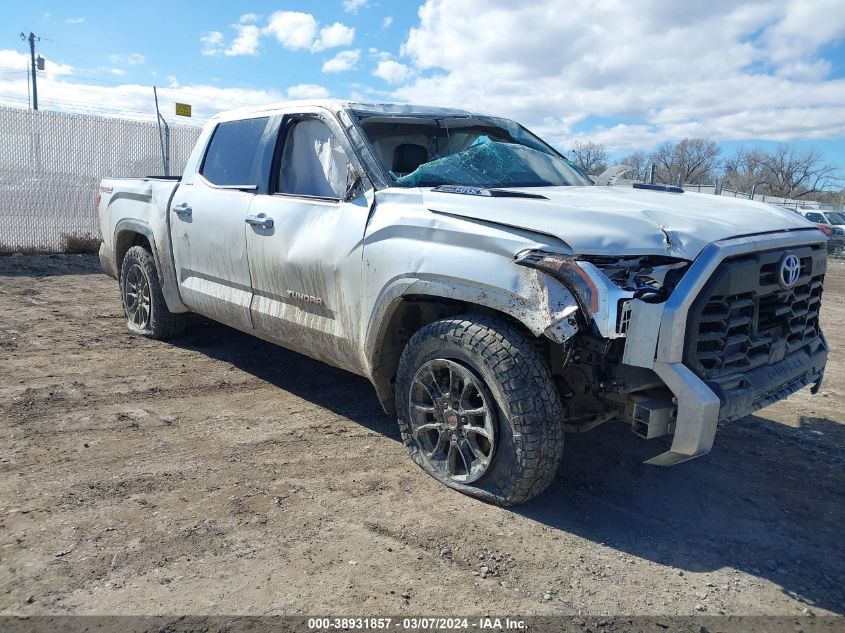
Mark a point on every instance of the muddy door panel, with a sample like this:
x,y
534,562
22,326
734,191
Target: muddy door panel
x,y
306,274
207,220
209,248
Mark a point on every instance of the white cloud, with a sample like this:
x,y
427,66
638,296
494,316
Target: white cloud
x,y
333,36
307,91
393,72
131,59
749,70
377,54
343,61
293,30
212,43
387,22
803,28
117,71
352,6
11,60
246,42
129,100
74,20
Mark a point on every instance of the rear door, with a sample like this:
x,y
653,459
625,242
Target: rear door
x,y
305,245
207,221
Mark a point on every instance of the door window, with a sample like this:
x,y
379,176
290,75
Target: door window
x,y
815,217
233,157
313,163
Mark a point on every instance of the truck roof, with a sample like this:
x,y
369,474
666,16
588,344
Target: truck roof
x,y
355,106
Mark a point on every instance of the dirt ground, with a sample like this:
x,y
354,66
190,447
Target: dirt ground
x,y
221,474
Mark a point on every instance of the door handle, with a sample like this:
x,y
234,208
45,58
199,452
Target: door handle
x,y
260,220
183,209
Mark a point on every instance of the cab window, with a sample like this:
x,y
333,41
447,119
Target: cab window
x,y
313,162
234,155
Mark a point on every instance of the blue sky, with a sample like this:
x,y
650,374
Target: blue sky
x,y
96,42
168,35
629,75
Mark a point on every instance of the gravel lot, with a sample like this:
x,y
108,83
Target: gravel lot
x,y
221,474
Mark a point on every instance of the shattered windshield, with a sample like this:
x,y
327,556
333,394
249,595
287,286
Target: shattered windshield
x,y
420,151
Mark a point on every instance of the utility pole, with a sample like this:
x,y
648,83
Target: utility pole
x,y
32,37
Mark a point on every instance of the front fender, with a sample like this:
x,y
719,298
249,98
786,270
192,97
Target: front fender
x,y
538,301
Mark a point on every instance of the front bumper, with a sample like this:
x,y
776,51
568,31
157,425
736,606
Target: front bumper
x,y
656,340
770,383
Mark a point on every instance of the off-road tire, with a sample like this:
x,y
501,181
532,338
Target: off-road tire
x,y
529,443
161,324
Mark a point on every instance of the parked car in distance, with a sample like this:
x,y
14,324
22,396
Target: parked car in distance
x,y
832,224
493,296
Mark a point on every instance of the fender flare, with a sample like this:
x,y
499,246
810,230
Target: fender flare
x,y
166,271
543,314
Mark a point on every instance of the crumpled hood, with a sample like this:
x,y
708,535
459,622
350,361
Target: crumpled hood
x,y
622,220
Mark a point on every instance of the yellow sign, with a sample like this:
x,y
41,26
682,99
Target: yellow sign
x,y
183,109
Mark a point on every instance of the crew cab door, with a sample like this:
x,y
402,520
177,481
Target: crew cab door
x,y
207,221
305,243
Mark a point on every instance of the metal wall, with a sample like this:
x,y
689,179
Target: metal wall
x,y
51,164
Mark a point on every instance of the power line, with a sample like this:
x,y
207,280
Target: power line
x,y
108,82
84,76
248,85
72,107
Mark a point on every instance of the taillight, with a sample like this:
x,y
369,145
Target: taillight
x,y
825,229
97,199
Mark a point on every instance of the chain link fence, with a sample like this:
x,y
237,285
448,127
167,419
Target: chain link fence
x,y
51,164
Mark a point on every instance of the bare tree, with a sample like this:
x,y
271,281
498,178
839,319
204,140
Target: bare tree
x,y
690,160
831,197
639,164
589,156
791,173
744,171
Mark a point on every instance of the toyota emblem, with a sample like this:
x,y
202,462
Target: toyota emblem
x,y
790,270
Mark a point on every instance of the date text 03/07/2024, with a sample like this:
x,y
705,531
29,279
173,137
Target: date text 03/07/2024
x,y
417,624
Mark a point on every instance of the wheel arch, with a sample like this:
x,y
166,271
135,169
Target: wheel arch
x,y
129,233
421,303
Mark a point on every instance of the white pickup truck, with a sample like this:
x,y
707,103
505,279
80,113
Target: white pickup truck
x,y
493,296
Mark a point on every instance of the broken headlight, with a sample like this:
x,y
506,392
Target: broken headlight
x,y
648,277
604,286
565,268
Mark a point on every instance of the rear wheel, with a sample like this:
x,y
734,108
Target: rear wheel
x,y
478,409
143,301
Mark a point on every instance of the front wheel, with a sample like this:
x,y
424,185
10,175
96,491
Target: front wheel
x,y
143,301
478,409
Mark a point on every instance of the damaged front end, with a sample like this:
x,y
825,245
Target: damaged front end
x,y
673,346
595,384
605,286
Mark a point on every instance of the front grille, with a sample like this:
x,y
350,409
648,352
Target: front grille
x,y
743,319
